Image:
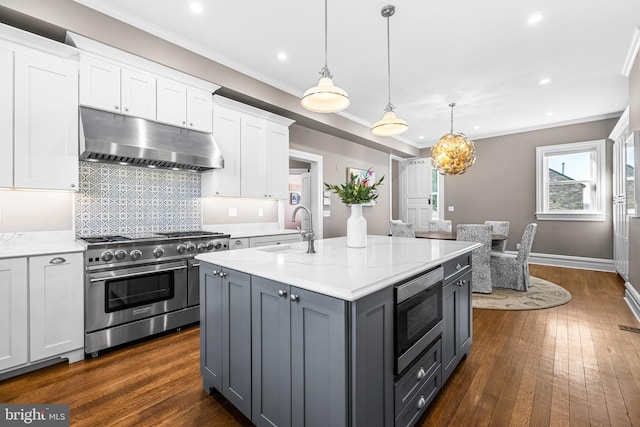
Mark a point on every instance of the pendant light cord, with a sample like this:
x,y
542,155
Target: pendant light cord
x,y
325,33
388,68
453,104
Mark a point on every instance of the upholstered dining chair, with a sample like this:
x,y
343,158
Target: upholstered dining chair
x,y
401,229
512,271
502,228
439,225
480,257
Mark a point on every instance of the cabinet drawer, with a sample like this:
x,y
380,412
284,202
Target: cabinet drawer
x,y
412,380
419,403
238,243
456,266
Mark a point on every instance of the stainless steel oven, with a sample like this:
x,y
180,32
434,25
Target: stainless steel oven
x,y
418,315
141,285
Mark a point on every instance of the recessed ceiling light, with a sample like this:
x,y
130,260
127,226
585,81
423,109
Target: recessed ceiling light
x,y
544,81
535,18
476,127
196,7
550,113
421,137
282,56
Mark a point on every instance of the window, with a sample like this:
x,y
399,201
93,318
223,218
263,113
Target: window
x,y
570,183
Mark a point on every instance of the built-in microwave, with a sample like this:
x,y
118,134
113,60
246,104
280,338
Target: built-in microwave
x,y
418,316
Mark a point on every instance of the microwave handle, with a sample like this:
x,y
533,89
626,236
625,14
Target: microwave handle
x,y
124,276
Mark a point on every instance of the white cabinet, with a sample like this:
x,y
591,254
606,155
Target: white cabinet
x,y
41,309
13,312
56,304
6,118
184,106
107,86
45,122
255,147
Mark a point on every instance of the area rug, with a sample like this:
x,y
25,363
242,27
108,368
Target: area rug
x,y
541,294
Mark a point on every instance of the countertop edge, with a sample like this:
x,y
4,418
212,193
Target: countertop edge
x,y
36,249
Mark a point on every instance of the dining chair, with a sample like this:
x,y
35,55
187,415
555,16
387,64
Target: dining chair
x,y
401,229
440,225
512,270
502,228
480,257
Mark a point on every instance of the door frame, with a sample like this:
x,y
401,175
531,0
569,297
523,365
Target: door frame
x,y
317,187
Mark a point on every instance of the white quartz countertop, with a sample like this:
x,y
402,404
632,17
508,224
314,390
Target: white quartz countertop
x,y
35,249
339,271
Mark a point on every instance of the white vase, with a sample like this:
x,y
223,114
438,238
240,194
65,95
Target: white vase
x,y
356,228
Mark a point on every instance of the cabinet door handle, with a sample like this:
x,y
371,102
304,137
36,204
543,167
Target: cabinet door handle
x,y
421,402
282,293
126,109
57,260
294,297
116,107
221,274
421,374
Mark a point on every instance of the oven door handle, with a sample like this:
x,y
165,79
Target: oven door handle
x,y
124,276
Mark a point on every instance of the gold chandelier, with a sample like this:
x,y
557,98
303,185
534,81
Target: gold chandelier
x,y
454,153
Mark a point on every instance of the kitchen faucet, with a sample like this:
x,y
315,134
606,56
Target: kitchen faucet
x,y
306,235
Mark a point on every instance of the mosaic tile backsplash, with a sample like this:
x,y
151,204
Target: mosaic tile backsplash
x,y
116,199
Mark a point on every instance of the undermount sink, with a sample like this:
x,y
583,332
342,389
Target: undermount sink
x,y
282,248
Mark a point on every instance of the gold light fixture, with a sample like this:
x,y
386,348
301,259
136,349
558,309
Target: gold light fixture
x,y
390,124
454,153
325,97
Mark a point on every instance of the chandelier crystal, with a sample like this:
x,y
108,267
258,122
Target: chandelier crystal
x,y
454,153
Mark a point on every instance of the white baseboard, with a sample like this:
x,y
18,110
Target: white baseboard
x,y
632,298
572,262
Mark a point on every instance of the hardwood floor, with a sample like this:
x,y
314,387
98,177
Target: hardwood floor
x,y
569,365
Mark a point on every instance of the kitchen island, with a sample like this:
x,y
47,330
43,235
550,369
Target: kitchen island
x,y
295,339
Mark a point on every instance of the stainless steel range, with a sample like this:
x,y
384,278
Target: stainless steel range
x,y
138,285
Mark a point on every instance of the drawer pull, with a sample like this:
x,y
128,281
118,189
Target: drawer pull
x,y
57,260
421,374
421,402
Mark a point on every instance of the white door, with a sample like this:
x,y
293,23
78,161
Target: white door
x,y
6,118
46,123
306,198
56,297
13,312
417,193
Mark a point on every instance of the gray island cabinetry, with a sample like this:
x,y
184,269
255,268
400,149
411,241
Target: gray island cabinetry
x,y
297,339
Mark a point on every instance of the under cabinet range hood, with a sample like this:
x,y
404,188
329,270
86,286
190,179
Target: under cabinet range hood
x,y
115,138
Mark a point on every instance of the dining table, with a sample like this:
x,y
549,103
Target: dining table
x,y
451,235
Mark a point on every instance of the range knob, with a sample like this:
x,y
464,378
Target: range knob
x,y
191,247
121,254
158,252
181,248
214,245
210,245
106,256
135,254
202,247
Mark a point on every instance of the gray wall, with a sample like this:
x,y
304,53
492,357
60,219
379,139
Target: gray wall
x,y
501,186
339,154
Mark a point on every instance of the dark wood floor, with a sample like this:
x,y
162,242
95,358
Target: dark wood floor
x,y
569,365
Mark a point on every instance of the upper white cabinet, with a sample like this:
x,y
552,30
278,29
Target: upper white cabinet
x,y
13,312
45,122
108,86
6,119
255,147
184,106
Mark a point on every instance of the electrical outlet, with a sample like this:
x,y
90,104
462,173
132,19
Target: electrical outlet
x,y
451,208
260,212
233,212
518,246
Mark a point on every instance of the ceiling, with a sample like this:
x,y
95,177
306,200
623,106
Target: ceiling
x,y
483,55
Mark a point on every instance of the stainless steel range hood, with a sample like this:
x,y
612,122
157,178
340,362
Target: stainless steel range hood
x,y
115,138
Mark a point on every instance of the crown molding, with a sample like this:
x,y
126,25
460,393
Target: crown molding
x,y
632,54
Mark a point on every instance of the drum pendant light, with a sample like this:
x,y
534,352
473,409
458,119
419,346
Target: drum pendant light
x,y
325,97
454,153
389,125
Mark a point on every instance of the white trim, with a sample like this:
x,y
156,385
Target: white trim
x,y
621,126
569,261
632,54
248,109
632,298
317,169
570,216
